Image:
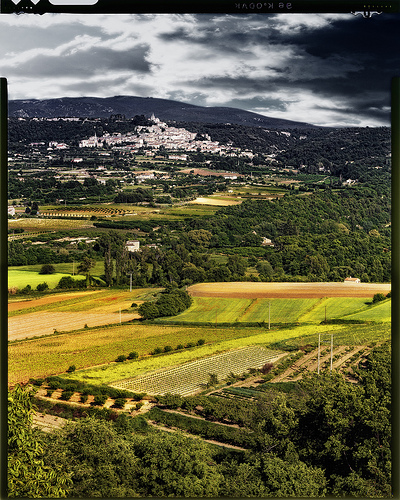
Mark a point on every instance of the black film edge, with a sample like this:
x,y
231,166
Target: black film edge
x,y
365,8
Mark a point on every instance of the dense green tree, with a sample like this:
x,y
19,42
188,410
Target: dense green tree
x,y
47,269
85,268
101,462
173,465
28,475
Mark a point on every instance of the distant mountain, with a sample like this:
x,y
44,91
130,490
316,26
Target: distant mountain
x,y
166,110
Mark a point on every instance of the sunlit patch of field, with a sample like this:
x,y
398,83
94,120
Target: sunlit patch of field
x,y
41,224
101,346
217,201
335,307
89,300
380,311
64,313
21,279
231,310
205,309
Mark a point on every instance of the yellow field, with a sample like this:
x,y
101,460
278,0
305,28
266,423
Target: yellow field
x,y
71,311
38,225
220,201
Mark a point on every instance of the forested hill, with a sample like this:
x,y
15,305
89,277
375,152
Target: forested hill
x,y
335,149
322,236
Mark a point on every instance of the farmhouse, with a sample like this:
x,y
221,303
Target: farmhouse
x,y
132,246
267,242
352,280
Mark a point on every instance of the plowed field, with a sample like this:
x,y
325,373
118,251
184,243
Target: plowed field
x,y
287,290
35,325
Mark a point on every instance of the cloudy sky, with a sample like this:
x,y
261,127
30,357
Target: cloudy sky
x,y
332,70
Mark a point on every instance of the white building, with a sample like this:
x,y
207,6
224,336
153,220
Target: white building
x,y
132,246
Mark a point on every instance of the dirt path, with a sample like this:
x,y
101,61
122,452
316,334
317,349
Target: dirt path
x,y
197,417
194,436
48,423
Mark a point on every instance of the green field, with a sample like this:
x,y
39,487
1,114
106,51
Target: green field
x,y
335,307
281,311
20,276
20,279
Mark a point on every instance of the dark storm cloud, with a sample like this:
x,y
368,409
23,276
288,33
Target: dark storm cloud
x,y
350,62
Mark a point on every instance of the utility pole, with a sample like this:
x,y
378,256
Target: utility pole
x,y
319,349
269,315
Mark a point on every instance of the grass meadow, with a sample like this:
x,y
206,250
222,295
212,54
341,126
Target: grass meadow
x,y
20,279
20,276
282,311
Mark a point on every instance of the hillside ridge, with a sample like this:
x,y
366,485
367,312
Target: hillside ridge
x,y
130,106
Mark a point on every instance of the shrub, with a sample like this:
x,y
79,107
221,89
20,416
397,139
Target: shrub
x,y
190,344
138,406
26,290
378,297
201,342
168,348
66,282
133,305
47,269
71,369
119,403
157,350
267,368
179,346
121,358
100,399
83,398
66,395
41,287
213,380
133,355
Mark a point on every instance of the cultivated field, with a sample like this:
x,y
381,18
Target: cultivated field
x,y
217,201
287,290
66,312
93,350
193,376
282,311
37,225
96,349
